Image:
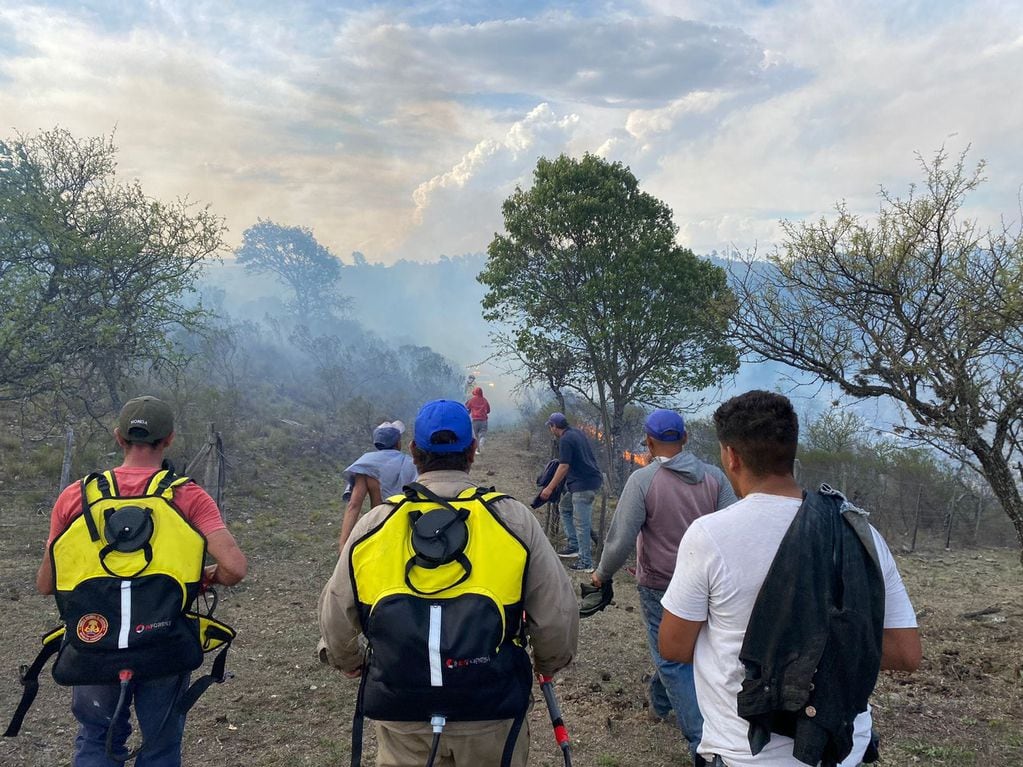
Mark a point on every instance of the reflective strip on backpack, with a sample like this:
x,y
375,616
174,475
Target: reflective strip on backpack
x,y
122,637
436,678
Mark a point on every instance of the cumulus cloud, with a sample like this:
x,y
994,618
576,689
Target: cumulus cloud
x,y
466,199
488,156
644,124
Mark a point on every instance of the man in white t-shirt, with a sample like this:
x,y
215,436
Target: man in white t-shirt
x,y
722,562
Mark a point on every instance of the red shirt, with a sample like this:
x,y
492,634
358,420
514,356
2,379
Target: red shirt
x,y
195,503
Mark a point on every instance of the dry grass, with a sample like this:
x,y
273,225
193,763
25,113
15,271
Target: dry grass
x,y
283,708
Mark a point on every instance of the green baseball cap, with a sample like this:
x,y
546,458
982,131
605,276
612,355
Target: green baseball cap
x,y
145,419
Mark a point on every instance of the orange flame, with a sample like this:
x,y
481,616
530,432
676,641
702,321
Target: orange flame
x,y
638,459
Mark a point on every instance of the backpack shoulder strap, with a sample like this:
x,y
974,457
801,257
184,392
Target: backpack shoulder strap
x,y
489,495
164,482
213,634
95,487
30,679
418,491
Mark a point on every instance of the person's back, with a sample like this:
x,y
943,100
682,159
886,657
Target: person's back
x,y
657,505
575,450
390,469
478,406
723,561
681,489
376,475
491,544
179,524
479,413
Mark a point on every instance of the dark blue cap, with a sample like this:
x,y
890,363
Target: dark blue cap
x,y
665,426
558,420
439,416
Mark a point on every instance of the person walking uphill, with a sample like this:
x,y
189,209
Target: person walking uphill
x,y
175,532
378,474
657,504
787,603
479,412
578,468
447,583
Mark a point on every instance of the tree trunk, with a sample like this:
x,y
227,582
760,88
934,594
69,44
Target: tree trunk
x,y
560,397
605,426
618,467
1003,485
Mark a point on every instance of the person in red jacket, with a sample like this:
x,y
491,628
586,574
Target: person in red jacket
x,y
479,409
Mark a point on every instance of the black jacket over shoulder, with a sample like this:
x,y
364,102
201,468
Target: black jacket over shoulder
x,y
812,650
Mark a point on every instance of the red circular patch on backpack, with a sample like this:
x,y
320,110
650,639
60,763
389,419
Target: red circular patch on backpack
x,y
92,627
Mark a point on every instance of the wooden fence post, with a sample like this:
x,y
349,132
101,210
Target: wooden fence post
x,y
976,518
916,519
65,467
215,468
951,518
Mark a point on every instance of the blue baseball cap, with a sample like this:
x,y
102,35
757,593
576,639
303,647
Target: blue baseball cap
x,y
387,435
665,426
558,420
439,416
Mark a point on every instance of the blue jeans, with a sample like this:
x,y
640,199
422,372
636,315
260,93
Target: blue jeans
x,y
94,705
580,506
673,682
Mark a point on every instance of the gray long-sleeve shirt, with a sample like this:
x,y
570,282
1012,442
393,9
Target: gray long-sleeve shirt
x,y
657,505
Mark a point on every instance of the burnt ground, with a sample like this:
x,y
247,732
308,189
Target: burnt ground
x,y
964,707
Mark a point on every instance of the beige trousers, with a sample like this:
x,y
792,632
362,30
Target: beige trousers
x,y
462,744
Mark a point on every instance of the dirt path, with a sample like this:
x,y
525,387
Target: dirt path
x,y
284,708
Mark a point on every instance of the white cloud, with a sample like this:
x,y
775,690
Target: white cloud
x,y
644,124
878,90
736,113
467,198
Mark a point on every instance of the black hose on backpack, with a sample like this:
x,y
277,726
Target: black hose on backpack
x,y
433,749
437,722
124,675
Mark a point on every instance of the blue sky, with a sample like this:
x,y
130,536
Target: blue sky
x,y
397,129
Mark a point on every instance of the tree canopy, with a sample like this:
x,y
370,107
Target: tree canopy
x,y
293,254
588,275
95,275
922,306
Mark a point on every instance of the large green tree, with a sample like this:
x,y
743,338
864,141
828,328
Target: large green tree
x,y
588,274
95,275
921,305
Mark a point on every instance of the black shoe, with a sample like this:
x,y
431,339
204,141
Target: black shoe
x,y
568,553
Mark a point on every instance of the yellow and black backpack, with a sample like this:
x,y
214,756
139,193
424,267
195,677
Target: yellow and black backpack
x,y
439,585
128,572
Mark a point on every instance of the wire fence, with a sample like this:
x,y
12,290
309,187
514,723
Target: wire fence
x,y
915,514
912,515
18,500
